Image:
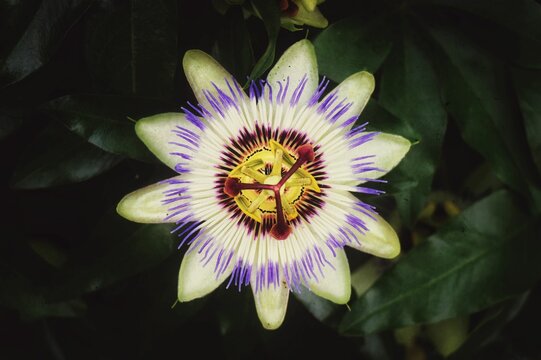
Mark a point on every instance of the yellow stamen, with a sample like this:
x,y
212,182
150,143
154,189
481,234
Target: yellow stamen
x,y
256,175
260,192
277,163
258,201
290,210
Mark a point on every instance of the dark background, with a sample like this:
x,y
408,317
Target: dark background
x,y
460,79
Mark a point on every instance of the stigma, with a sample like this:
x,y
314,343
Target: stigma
x,y
271,181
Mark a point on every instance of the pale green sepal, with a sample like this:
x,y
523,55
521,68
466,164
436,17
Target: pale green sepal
x,y
145,205
296,62
335,285
366,275
448,335
195,279
380,239
407,335
202,71
355,89
310,17
270,303
156,132
309,5
289,24
388,149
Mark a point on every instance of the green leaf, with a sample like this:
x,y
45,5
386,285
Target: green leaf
x,y
15,15
352,45
401,179
64,309
235,310
117,250
24,277
409,90
132,47
43,36
483,256
22,294
521,17
104,121
481,103
380,119
528,88
270,14
233,49
57,157
236,316
489,326
162,315
320,308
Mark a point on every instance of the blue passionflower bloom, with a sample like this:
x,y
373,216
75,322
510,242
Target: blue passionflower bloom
x,y
265,183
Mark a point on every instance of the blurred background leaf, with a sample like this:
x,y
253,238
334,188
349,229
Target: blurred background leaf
x,y
460,79
58,157
355,44
116,249
269,12
132,46
107,122
490,325
233,48
528,87
479,100
521,18
407,70
40,40
484,256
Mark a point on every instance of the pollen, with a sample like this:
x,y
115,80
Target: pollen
x,y
260,193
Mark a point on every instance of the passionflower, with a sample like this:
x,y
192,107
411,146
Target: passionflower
x,y
265,181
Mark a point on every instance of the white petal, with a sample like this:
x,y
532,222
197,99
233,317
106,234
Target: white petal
x,y
336,283
271,304
145,205
380,239
202,71
296,62
195,279
355,89
388,149
157,134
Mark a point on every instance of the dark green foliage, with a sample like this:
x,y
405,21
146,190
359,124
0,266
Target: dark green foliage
x,y
460,79
484,256
57,157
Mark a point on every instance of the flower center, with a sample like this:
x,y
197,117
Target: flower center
x,y
271,181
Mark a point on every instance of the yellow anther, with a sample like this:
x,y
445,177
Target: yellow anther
x,y
277,163
289,210
242,203
256,175
258,201
250,164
